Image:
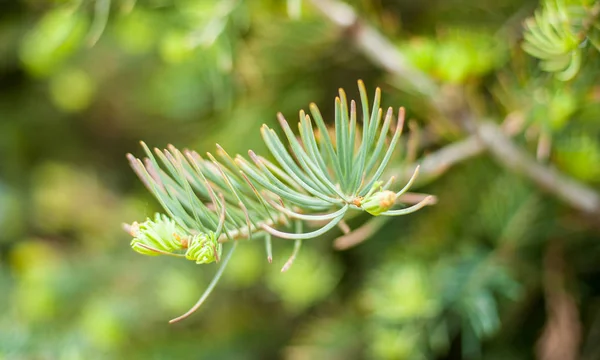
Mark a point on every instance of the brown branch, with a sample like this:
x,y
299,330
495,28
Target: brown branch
x,y
359,235
561,337
511,156
491,137
438,162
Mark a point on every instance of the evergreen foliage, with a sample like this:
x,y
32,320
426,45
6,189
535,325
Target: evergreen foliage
x,y
316,180
502,109
559,34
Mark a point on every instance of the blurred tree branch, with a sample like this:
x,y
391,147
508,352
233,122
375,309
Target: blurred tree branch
x,y
511,156
487,135
562,334
375,46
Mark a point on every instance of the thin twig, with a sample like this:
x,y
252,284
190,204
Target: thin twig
x,y
490,136
359,235
435,164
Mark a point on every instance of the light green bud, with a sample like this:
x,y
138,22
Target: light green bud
x,y
204,249
379,202
162,234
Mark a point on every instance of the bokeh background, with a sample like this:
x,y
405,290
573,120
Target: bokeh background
x,y
498,269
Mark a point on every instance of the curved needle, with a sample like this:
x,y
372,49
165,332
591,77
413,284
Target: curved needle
x,y
296,215
210,287
221,217
309,235
158,250
410,182
411,209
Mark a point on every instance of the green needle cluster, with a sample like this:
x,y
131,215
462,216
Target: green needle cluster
x,y
316,177
559,32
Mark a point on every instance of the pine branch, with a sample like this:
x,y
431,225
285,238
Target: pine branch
x,y
314,178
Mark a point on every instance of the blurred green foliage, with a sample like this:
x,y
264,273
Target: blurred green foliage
x,y
559,32
461,280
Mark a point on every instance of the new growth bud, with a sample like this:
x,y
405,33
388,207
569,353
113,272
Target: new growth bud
x,y
379,202
204,249
153,237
